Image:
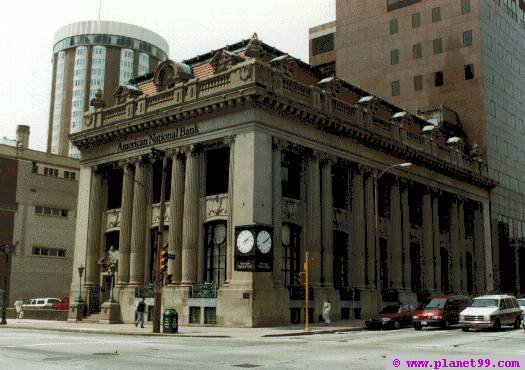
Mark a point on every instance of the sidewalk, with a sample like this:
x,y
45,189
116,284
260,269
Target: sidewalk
x,y
184,331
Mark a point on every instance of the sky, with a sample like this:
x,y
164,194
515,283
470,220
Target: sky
x,y
190,27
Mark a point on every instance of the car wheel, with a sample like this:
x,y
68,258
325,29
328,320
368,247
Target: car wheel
x,y
465,329
397,325
446,324
497,325
517,323
418,327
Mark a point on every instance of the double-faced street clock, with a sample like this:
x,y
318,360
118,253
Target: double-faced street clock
x,y
253,248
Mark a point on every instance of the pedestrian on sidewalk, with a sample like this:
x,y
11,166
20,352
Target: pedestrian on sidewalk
x,y
141,308
19,309
326,311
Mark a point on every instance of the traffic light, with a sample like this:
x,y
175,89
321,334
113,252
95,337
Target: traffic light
x,y
164,259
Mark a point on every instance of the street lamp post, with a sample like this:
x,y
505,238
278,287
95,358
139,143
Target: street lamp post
x,y
6,249
379,277
80,272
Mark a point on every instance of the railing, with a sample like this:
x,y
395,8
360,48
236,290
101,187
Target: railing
x,y
298,91
215,83
113,113
206,290
160,99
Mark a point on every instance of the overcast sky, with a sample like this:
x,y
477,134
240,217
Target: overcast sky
x,y
190,27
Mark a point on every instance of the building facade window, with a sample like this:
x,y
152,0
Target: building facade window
x,y
469,71
418,83
322,44
417,51
395,87
465,6
394,56
291,254
416,20
438,46
291,175
77,102
48,171
50,211
217,168
49,252
439,79
68,175
467,38
143,64
215,253
126,66
98,70
57,102
393,26
436,14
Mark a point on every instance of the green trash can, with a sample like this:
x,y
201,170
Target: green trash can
x,y
170,321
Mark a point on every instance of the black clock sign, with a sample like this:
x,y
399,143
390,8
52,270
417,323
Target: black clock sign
x,y
253,248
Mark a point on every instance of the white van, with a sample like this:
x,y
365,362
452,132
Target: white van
x,y
491,311
41,303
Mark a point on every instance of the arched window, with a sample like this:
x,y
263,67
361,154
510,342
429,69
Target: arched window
x,y
291,240
215,253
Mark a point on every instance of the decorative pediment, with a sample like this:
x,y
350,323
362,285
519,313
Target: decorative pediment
x,y
98,101
124,92
254,48
332,85
168,73
224,60
285,64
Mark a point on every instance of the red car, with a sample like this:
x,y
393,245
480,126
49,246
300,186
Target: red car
x,y
442,311
63,305
391,317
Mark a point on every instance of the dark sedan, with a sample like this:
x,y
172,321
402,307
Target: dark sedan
x,y
391,317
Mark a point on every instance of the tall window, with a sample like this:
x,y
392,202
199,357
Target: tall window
x,y
291,175
393,26
57,102
416,20
467,38
394,56
469,71
340,191
143,64
418,83
438,46
340,262
217,168
396,90
438,78
291,239
465,6
126,66
215,253
417,51
436,14
77,101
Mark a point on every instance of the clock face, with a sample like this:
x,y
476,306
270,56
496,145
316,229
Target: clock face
x,y
219,233
285,235
245,241
264,241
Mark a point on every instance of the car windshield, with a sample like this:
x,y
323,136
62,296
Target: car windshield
x,y
390,309
484,302
521,302
436,303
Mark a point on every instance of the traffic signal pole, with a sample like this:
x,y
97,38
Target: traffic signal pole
x,y
160,245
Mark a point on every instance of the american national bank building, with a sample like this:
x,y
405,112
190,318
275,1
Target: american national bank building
x,y
267,160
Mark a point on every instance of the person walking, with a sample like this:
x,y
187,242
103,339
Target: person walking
x,y
141,308
326,311
19,309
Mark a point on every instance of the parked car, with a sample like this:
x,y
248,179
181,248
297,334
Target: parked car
x,y
521,302
491,311
41,303
62,305
442,311
391,317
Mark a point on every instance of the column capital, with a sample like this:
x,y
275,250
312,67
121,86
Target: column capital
x,y
190,149
278,143
128,162
328,158
314,155
229,140
361,168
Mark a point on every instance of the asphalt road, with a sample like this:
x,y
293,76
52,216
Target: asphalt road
x,y
26,349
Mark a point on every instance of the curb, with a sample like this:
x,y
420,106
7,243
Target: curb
x,y
314,332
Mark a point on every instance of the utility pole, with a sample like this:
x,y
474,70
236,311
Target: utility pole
x,y
160,241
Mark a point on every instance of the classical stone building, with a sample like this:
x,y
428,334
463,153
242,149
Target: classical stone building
x,y
467,55
92,55
38,200
266,161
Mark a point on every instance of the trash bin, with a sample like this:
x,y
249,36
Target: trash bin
x,y
170,321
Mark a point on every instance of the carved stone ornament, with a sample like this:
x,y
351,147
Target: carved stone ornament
x,y
284,64
217,206
224,60
125,92
254,48
98,101
168,73
331,85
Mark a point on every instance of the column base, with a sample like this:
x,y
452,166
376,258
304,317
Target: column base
x,y
110,313
408,297
76,312
370,302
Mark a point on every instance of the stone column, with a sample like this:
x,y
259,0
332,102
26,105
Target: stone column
x,y
462,246
278,145
405,233
312,229
428,241
394,237
487,242
126,212
190,227
370,231
176,216
479,255
327,222
139,223
437,240
96,207
358,228
455,256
